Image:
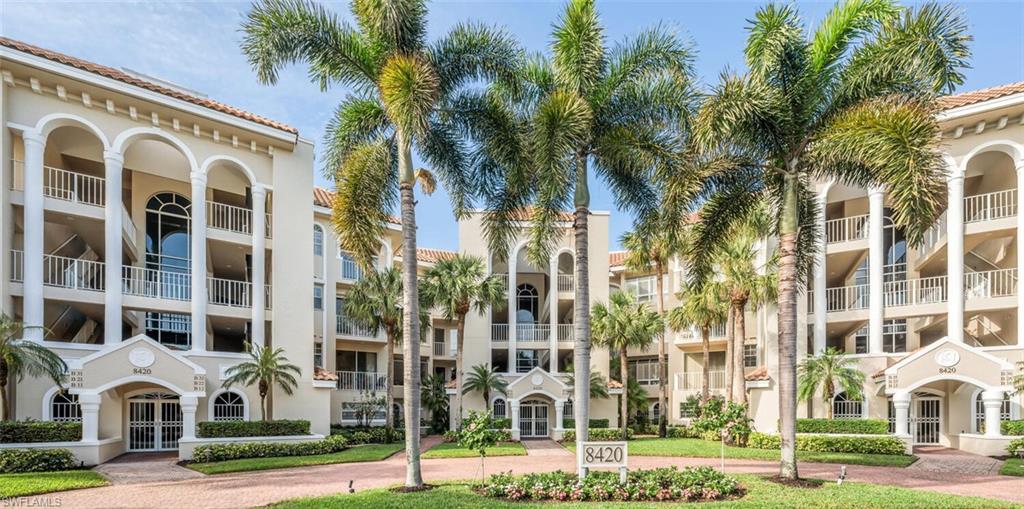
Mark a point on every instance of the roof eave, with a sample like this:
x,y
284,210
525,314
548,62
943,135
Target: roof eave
x,y
981,107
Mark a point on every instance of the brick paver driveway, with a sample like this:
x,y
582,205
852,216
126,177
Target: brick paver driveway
x,y
260,488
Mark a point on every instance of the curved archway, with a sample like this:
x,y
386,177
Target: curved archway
x,y
61,406
212,161
49,123
213,405
135,379
127,138
1008,147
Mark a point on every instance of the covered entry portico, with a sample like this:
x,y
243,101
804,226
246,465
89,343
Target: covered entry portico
x,y
952,394
537,403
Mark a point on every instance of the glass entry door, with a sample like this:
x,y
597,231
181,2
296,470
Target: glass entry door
x,y
154,422
925,423
533,419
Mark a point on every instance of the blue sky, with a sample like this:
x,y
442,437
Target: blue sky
x,y
195,44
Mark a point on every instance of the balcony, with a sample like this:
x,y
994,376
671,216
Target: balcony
x,y
846,229
441,351
566,283
692,336
566,333
691,381
361,381
346,326
988,206
231,218
350,269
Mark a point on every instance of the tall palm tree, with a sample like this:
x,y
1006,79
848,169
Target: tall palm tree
x,y
399,86
265,368
827,372
19,357
485,379
598,385
621,324
456,286
854,102
615,111
702,307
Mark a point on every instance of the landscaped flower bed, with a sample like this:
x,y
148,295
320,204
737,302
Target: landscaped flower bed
x,y
660,484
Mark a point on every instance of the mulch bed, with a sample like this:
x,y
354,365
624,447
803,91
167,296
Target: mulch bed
x,y
795,483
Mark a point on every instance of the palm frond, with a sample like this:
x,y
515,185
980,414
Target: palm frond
x,y
397,26
472,52
356,121
845,23
656,51
409,89
578,48
365,195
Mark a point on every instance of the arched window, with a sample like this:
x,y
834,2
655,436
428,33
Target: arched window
x,y
169,258
498,408
979,411
526,303
567,411
64,408
655,412
318,240
396,413
845,408
229,406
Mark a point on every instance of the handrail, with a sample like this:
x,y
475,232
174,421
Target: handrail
x,y
933,236
349,327
536,332
566,283
228,292
845,229
994,205
362,381
229,217
159,284
499,333
74,273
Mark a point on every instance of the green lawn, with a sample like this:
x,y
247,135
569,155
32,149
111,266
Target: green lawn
x,y
371,452
454,450
1013,466
35,483
696,448
761,494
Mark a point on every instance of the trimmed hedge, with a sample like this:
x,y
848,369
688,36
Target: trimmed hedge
x,y
594,423
1013,428
682,432
374,435
600,434
841,426
230,429
825,443
223,452
22,432
14,461
502,435
503,423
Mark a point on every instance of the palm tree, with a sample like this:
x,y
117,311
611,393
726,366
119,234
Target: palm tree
x,y
585,106
598,385
634,400
399,84
827,372
703,308
622,324
853,102
19,357
456,286
484,379
435,399
266,367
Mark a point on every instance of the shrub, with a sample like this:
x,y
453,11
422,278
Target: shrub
x,y
224,429
594,423
503,435
600,434
659,484
681,432
365,435
1016,446
29,431
504,423
13,461
716,415
850,426
826,443
223,452
1013,428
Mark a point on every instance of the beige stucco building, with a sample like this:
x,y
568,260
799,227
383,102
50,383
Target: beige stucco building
x,y
148,232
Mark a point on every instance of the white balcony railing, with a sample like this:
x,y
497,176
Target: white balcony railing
x,y
845,298
499,333
565,283
566,333
910,292
533,332
350,269
928,290
692,380
934,235
229,217
348,327
268,296
992,283
228,292
995,205
501,276
846,229
157,284
74,273
362,381
439,350
17,266
65,185
128,225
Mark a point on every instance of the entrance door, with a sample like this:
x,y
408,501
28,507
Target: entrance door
x,y
533,419
154,422
925,423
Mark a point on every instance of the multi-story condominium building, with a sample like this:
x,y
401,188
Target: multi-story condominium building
x,y
148,233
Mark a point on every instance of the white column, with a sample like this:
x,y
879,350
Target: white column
x,y
955,258
199,298
512,332
114,164
188,416
993,402
513,408
553,319
901,402
559,414
32,303
876,268
90,407
259,243
1020,248
820,290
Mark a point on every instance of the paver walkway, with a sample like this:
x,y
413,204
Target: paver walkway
x,y
546,447
269,486
953,461
136,468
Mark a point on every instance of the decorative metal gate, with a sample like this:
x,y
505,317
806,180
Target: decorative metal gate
x,y
154,422
926,421
533,419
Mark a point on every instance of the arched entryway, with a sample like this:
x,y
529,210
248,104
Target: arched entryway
x,y
534,419
154,421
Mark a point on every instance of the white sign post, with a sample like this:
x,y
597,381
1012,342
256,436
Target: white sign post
x,y
604,455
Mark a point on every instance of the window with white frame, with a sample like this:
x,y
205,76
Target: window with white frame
x,y
844,407
894,336
318,297
228,406
644,371
979,411
643,288
318,354
655,413
567,411
64,408
750,355
685,410
318,240
498,408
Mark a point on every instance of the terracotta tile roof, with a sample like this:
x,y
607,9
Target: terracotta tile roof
x,y
758,375
427,255
617,258
323,197
323,374
450,384
614,384
981,95
124,77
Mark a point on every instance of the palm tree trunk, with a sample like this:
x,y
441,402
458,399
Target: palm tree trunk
x,y
389,398
459,337
659,270
624,403
730,340
264,389
788,228
4,397
705,374
410,316
581,360
739,381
